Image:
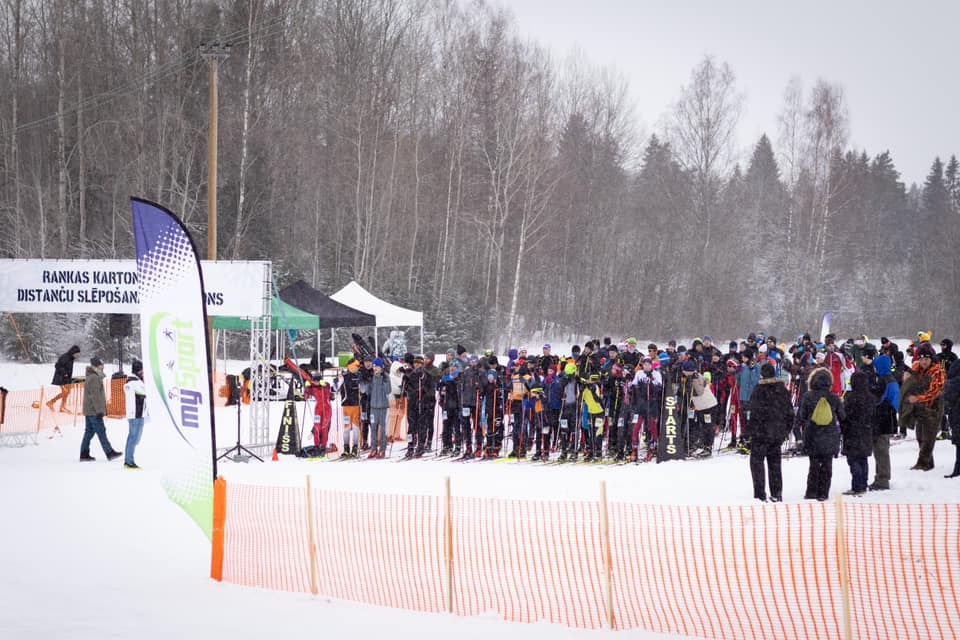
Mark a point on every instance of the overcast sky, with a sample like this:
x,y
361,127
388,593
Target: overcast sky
x,y
898,62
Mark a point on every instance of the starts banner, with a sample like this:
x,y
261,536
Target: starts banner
x,y
176,359
111,286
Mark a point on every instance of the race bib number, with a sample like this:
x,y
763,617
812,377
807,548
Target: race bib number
x,y
363,416
598,423
545,430
690,414
563,423
706,418
465,412
620,421
635,417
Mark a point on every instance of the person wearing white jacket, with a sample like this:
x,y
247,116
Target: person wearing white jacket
x,y
135,394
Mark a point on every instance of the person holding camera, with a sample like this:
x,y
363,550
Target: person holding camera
x,y
94,408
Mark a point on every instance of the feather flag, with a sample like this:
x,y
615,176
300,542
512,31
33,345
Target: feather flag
x,y
173,330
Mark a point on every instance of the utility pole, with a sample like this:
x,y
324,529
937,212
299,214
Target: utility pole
x,y
213,52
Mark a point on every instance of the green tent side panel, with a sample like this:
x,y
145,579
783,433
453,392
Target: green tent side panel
x,y
283,316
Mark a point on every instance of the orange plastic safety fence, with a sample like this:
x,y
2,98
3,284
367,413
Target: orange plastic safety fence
x,y
528,560
266,538
27,410
726,572
904,570
759,571
381,549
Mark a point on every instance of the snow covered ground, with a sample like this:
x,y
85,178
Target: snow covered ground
x,y
91,550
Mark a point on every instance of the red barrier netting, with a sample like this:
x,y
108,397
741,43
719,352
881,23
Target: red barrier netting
x,y
528,561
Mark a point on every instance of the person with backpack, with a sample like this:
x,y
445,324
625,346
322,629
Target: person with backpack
x,y
771,419
857,430
820,411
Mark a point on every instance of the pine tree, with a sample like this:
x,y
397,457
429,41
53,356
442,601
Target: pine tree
x,y
764,195
951,177
936,227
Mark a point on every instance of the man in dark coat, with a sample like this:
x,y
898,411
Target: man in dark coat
x,y
771,419
856,428
821,442
63,377
951,401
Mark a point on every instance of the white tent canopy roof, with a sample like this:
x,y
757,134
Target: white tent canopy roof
x,y
387,315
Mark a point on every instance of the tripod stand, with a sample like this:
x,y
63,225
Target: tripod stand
x,y
239,450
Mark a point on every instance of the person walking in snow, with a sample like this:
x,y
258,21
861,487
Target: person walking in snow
x,y
63,377
94,408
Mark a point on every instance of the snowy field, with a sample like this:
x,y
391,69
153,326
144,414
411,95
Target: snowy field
x,y
91,550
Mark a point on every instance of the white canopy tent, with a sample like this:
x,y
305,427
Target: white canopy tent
x,y
387,315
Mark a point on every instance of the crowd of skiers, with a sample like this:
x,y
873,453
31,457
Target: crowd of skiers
x,y
616,402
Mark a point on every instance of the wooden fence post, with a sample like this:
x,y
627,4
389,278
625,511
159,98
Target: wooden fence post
x,y
313,539
607,556
448,540
844,571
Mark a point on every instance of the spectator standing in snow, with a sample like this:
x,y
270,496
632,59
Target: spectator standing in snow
x,y
927,404
771,419
379,404
885,421
857,430
135,396
951,401
821,442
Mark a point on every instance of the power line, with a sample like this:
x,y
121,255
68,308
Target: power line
x,y
183,63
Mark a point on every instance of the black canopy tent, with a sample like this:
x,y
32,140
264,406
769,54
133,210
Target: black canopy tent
x,y
332,314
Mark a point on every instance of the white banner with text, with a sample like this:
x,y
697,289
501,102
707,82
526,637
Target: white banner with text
x,y
233,288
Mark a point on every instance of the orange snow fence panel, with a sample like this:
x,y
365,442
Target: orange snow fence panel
x,y
117,400
799,570
904,569
27,411
528,561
